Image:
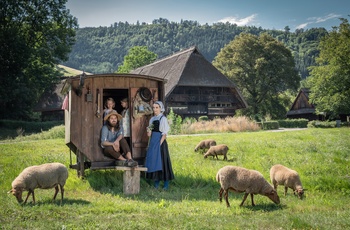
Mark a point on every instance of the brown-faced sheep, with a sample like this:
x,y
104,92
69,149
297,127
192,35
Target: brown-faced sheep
x,y
205,144
238,179
281,175
45,176
217,150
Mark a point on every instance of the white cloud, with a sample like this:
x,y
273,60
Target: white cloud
x,y
314,20
239,21
302,26
325,18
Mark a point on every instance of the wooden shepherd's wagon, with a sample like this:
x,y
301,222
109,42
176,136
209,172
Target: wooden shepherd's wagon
x,y
84,104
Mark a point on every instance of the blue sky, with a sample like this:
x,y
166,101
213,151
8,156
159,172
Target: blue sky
x,y
269,14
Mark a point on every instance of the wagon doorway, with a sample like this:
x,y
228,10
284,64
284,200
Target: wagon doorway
x,y
118,95
138,120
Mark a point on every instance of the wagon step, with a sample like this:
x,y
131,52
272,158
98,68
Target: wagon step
x,y
131,177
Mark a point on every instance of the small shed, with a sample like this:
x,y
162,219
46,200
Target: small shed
x,y
302,108
50,103
194,87
85,97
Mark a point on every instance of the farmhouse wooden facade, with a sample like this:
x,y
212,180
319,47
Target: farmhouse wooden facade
x,y
302,108
194,87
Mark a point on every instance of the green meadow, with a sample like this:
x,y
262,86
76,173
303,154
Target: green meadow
x,y
321,156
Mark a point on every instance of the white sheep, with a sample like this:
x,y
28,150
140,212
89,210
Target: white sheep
x,y
45,176
281,175
238,179
217,150
205,144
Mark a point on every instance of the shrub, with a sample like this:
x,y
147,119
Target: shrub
x,y
321,124
269,125
174,122
293,123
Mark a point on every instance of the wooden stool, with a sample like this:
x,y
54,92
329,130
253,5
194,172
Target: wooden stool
x,y
131,179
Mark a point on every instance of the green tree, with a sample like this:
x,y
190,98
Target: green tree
x,y
137,56
111,44
262,68
330,79
35,35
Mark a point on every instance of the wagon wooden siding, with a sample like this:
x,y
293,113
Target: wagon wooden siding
x,y
83,118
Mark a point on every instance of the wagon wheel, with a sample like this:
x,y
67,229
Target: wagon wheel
x,y
80,164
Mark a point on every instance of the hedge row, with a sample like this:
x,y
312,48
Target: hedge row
x,y
293,123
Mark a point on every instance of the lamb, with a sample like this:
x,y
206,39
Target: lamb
x,y
205,144
45,176
281,175
238,179
217,150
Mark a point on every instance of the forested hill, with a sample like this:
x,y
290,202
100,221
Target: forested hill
x,y
102,49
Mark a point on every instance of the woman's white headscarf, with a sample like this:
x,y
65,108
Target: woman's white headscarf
x,y
162,109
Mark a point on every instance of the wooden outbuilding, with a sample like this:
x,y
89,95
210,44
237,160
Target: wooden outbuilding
x,y
302,108
84,105
194,87
50,103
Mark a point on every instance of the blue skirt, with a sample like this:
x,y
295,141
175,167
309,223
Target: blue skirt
x,y
158,161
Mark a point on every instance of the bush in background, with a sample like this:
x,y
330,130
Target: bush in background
x,y
293,123
322,124
269,125
175,122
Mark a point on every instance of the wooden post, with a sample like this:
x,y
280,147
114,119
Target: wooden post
x,y
131,179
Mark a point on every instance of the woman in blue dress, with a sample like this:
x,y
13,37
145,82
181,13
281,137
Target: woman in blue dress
x,y
158,161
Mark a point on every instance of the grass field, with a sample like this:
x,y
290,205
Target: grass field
x,y
321,156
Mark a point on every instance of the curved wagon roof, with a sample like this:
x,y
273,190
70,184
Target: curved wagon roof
x,y
118,75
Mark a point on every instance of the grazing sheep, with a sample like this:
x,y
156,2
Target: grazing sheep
x,y
205,144
238,179
45,176
281,175
217,150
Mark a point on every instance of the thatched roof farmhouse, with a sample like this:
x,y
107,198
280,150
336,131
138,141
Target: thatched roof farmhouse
x,y
194,87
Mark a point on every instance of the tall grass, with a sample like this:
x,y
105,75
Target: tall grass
x,y
228,124
321,156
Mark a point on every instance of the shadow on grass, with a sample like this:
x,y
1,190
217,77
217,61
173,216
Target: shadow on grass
x,y
265,207
111,182
181,188
65,202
